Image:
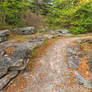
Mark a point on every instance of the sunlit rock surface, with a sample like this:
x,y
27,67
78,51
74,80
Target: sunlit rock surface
x,y
80,60
12,59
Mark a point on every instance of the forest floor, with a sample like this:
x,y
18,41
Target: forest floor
x,y
48,71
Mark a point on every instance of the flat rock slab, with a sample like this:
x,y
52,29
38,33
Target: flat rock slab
x,y
6,79
80,60
4,34
36,42
25,30
59,33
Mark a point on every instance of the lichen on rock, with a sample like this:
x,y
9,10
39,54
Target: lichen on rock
x,y
82,66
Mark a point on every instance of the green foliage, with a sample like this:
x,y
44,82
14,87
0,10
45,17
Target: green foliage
x,y
78,30
12,11
61,12
32,54
39,31
70,14
81,20
18,13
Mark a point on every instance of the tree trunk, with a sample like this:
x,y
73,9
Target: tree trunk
x,y
36,7
2,11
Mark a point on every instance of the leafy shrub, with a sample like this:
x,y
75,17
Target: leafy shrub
x,y
81,20
78,30
74,16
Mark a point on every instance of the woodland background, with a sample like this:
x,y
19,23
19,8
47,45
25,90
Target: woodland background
x,y
75,15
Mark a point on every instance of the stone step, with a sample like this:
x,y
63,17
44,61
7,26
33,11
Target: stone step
x,y
4,34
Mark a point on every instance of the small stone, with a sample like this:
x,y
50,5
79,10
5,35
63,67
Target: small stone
x,y
80,54
9,59
80,83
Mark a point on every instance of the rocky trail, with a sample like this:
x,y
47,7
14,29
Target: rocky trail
x,y
50,73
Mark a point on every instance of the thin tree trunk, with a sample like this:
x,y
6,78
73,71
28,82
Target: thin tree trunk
x,y
36,7
3,11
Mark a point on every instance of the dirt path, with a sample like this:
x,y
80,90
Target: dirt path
x,y
51,73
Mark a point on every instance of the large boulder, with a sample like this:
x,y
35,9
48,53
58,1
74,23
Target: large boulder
x,y
4,34
13,59
25,30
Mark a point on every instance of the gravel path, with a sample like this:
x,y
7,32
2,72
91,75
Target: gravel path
x,y
51,73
